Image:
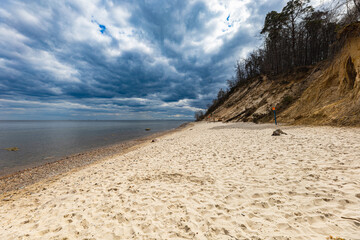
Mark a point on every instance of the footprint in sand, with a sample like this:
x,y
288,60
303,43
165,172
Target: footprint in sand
x,y
84,223
257,195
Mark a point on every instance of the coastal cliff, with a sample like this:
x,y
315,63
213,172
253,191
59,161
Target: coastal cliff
x,y
325,94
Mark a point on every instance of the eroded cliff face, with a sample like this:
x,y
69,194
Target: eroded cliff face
x,y
333,98
327,94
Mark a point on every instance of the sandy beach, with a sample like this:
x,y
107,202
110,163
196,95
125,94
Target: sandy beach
x,y
207,181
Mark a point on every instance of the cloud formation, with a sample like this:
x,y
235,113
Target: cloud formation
x,y
146,59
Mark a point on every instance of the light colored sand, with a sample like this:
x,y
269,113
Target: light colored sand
x,y
211,182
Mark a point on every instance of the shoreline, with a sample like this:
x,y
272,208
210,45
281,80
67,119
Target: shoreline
x,y
206,181
22,178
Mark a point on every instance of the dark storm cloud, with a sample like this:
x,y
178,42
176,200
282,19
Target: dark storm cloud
x,y
110,59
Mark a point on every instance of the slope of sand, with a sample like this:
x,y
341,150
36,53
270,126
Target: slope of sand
x,y
209,181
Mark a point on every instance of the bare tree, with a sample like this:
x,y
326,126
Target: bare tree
x,y
199,115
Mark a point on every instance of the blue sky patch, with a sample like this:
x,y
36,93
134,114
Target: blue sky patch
x,y
102,28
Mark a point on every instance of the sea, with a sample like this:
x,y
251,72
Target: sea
x,y
40,142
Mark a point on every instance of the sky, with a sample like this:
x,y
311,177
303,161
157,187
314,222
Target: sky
x,y
121,60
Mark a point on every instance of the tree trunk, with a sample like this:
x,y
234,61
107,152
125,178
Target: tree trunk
x,y
357,5
293,62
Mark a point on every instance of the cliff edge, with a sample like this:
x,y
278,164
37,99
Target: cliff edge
x,y
325,94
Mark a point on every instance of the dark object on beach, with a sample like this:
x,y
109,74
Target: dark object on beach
x,y
147,129
13,149
154,140
278,132
183,125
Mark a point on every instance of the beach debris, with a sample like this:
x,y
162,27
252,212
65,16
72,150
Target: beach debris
x,y
278,132
12,149
334,238
147,129
7,198
154,140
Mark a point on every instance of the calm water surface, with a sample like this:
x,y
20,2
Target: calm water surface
x,y
45,141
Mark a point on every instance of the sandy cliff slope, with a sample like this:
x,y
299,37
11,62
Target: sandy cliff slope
x,y
325,94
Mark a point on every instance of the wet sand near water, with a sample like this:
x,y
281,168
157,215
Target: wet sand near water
x,y
23,178
204,182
